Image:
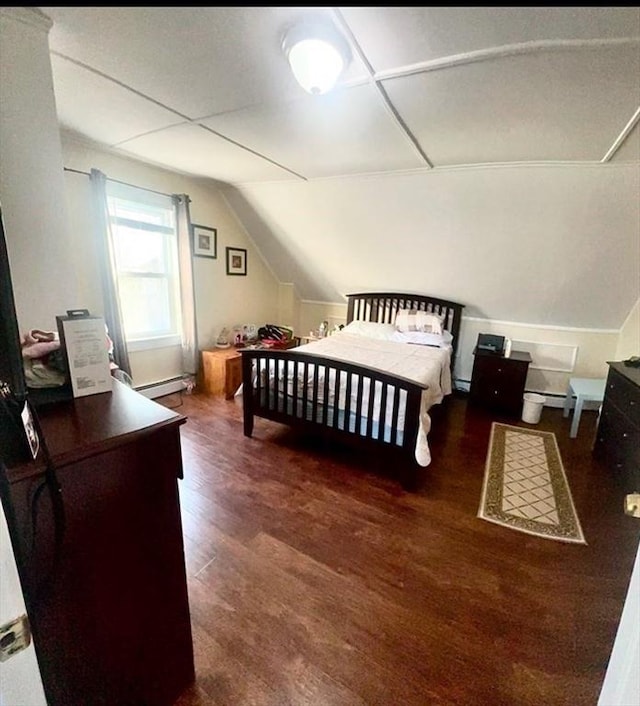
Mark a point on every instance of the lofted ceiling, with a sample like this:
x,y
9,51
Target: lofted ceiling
x,y
207,90
476,153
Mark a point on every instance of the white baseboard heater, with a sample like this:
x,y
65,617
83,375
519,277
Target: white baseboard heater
x,y
159,389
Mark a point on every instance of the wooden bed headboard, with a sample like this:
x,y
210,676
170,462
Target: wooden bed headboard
x,y
382,307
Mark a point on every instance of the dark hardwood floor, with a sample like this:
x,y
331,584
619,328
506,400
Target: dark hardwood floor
x,y
315,579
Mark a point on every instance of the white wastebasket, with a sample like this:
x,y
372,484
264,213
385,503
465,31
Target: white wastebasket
x,y
532,407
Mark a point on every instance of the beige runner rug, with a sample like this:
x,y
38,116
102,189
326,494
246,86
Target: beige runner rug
x,y
525,486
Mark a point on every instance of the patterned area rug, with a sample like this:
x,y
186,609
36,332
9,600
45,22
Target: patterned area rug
x,y
525,486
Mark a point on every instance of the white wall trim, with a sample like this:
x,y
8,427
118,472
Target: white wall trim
x,y
593,164
571,358
314,301
540,45
554,400
159,389
548,327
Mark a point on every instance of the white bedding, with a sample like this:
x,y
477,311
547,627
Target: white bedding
x,y
422,364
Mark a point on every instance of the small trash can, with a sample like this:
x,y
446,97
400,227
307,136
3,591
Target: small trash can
x,y
532,407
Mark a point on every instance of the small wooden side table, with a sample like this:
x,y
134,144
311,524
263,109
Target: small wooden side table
x,y
221,371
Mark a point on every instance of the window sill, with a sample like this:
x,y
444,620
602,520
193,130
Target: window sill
x,y
147,344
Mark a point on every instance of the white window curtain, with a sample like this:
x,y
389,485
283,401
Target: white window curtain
x,y
108,272
187,292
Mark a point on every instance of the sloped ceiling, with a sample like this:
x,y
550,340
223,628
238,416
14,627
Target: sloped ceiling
x,y
457,138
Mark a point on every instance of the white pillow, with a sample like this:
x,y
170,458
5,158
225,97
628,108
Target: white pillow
x,y
414,320
441,340
371,329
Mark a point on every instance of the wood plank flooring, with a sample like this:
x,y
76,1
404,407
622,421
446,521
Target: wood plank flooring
x,y
315,579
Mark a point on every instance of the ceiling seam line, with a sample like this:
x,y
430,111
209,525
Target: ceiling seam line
x,y
189,120
498,52
121,84
251,151
381,92
619,141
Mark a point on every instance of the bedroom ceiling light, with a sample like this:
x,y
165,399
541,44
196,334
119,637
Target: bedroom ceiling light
x,y
317,53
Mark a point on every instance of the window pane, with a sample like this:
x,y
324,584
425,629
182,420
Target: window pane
x,y
146,306
135,211
139,250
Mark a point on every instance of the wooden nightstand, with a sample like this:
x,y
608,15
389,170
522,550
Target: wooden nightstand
x,y
221,371
497,383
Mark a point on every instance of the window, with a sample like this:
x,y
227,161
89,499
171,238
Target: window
x,y
143,226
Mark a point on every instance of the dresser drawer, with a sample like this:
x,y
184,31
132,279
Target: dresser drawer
x,y
618,445
499,370
497,383
624,395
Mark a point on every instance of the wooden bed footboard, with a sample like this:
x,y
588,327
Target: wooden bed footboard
x,y
332,396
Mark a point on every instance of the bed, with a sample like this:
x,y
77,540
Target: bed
x,y
369,384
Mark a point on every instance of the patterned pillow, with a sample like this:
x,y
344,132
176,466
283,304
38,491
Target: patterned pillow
x,y
414,320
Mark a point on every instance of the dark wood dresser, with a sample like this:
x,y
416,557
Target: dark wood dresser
x,y
105,584
497,383
618,437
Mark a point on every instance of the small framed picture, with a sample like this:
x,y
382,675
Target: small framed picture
x,y
236,261
204,241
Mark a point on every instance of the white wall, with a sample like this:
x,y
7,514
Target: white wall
x,y
554,245
629,341
31,182
221,300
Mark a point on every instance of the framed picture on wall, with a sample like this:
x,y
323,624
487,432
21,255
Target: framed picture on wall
x,y
205,241
236,261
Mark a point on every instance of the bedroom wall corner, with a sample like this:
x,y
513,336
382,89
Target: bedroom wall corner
x,y
289,306
312,313
629,337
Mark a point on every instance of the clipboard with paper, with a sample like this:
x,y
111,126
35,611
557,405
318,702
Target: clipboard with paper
x,y
84,340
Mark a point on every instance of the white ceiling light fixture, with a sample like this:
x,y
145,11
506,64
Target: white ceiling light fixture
x,y
317,53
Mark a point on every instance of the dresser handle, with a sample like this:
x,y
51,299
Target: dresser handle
x,y
625,434
499,370
495,392
631,403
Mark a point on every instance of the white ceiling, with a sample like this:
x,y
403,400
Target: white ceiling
x,y
207,90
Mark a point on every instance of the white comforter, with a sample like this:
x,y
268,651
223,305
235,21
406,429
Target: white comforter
x,y
423,364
